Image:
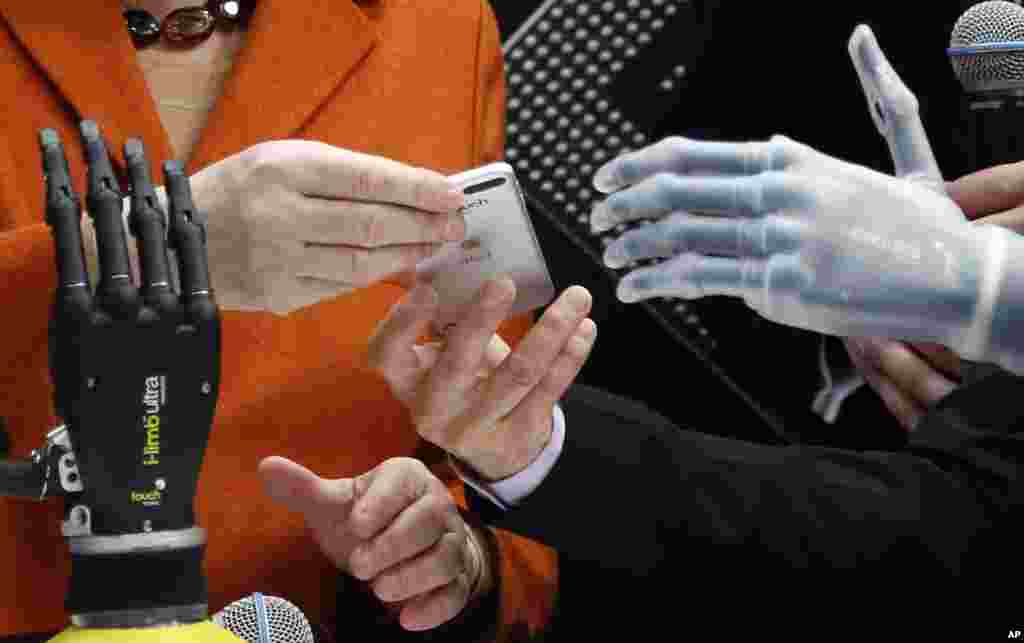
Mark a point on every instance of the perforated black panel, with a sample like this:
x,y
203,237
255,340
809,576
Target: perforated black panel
x,y
583,88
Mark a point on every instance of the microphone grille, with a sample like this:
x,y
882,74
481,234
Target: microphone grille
x,y
987,23
265,619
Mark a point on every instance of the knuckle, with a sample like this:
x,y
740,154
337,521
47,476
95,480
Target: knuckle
x,y
360,266
443,505
411,486
263,162
400,463
363,513
556,321
455,364
576,352
521,371
363,182
392,587
360,564
363,524
435,513
369,182
256,208
371,229
419,470
419,192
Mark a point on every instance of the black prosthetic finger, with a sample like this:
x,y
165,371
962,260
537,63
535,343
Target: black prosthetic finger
x,y
188,239
116,292
64,216
146,222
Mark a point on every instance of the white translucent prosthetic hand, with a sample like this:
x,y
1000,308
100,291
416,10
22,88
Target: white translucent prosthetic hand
x,y
811,241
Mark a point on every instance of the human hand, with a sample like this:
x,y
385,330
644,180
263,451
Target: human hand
x,y
396,527
994,195
909,378
471,395
293,222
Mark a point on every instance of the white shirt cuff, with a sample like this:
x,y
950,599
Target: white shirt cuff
x,y
511,491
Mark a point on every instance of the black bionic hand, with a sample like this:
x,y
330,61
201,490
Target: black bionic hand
x,y
135,368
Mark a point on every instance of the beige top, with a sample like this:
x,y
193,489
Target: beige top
x,y
185,84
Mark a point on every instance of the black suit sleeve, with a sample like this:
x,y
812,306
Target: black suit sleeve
x,y
632,493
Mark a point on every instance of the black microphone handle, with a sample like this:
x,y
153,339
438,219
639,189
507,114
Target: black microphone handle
x,y
994,133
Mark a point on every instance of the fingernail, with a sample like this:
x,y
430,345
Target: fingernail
x,y
583,339
457,196
587,330
579,298
602,219
498,292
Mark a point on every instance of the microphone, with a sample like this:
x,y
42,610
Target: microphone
x,y
265,619
986,51
987,48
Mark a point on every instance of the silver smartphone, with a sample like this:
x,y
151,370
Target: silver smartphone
x,y
500,242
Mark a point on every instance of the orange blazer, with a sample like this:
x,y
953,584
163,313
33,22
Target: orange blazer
x,y
418,81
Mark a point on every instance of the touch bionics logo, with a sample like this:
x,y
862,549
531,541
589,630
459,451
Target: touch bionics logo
x,y
154,398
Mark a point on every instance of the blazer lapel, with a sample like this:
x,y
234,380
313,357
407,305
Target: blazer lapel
x,y
69,42
295,56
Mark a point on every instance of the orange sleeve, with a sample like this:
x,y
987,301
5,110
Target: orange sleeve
x,y
527,578
27,284
32,552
